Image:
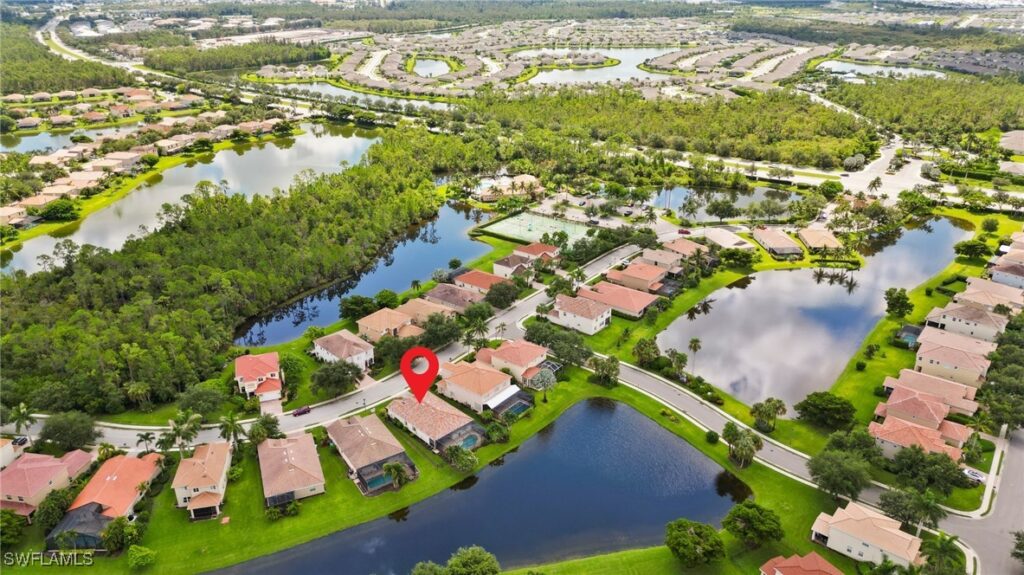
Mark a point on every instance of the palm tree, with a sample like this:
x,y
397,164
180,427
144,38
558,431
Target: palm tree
x,y
943,554
500,329
775,407
230,428
105,451
146,437
694,347
928,508
415,284
184,428
874,184
142,487
22,418
397,472
166,441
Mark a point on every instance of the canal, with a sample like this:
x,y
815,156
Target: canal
x,y
785,334
601,478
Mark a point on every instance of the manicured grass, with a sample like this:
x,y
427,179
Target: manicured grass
x,y
988,454
185,547
109,195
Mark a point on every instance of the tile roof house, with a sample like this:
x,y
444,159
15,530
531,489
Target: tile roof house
x,y
26,481
988,294
686,248
581,314
420,309
948,358
810,564
538,250
344,345
477,385
259,375
115,486
723,238
956,341
453,296
387,321
366,445
638,276
478,281
959,397
665,259
894,434
435,422
290,469
201,480
866,535
521,357
777,242
967,320
1009,274
629,302
817,239
512,265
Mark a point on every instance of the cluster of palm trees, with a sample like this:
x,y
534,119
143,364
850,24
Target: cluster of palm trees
x,y
743,443
836,277
185,426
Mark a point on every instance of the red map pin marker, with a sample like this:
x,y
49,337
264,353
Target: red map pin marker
x,y
419,383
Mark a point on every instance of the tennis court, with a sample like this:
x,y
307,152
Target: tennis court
x,y
529,227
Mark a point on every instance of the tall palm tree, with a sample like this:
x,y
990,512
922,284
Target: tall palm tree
x,y
22,418
875,184
775,407
500,329
185,428
230,428
166,441
397,472
145,437
105,451
942,553
928,508
694,347
415,284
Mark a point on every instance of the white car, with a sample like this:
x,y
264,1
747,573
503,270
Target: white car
x,y
974,475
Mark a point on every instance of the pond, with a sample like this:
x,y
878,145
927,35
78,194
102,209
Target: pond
x,y
335,91
785,334
249,169
54,141
676,197
627,69
601,478
429,68
839,67
415,257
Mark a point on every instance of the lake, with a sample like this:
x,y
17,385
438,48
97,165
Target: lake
x,y
840,67
601,478
630,58
329,89
55,141
415,257
784,334
429,68
674,198
249,169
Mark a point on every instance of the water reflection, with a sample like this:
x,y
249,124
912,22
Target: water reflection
x,y
424,249
248,169
838,67
692,204
728,485
630,58
787,333
54,141
608,479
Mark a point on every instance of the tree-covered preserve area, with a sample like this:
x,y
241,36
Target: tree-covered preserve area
x,y
27,66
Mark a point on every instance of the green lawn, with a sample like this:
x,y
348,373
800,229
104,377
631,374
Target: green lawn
x,y
185,547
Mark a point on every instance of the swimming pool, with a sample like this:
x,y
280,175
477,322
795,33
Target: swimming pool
x,y
519,408
378,481
469,442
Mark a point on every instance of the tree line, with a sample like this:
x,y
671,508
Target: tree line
x,y
191,59
27,66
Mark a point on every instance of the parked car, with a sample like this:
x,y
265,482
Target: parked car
x,y
974,475
684,231
20,440
582,203
301,411
844,175
593,222
627,213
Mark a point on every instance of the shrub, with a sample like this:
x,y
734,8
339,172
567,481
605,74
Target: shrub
x,y
711,436
861,365
273,513
235,473
140,557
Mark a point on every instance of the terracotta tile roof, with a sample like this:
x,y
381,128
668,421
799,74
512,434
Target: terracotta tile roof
x,y
253,367
31,472
619,297
454,296
956,341
343,344
478,377
871,527
434,417
905,434
409,330
969,313
268,386
579,306
955,431
537,249
950,356
685,247
420,309
289,464
363,441
645,272
115,485
520,352
384,320
479,279
810,564
953,394
925,409
205,467
204,500
978,285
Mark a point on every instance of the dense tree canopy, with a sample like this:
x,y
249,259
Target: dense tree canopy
x,y
27,66
191,59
